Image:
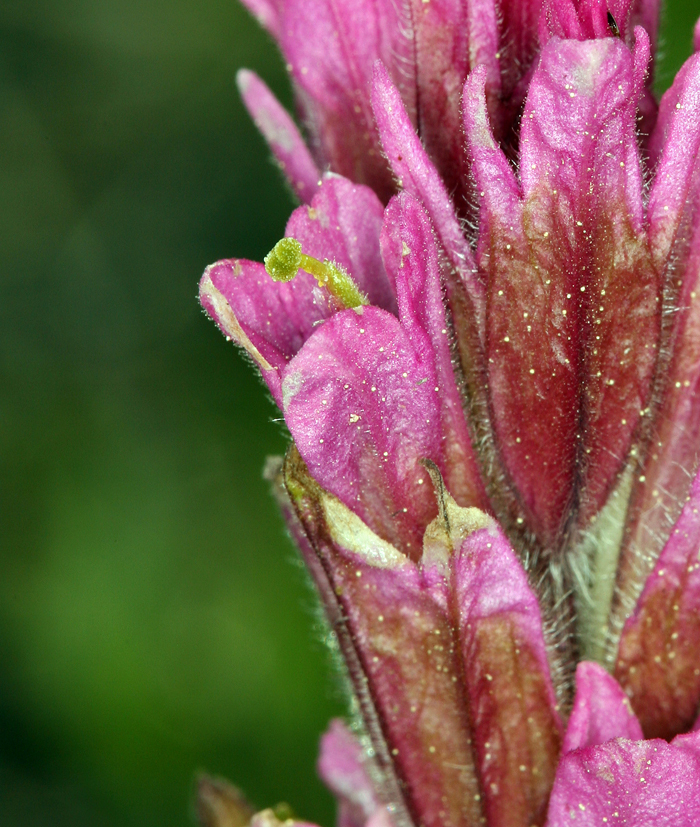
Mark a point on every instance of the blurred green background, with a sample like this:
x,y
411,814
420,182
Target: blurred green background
x,y
153,621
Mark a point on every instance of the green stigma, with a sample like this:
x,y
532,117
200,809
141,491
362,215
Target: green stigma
x,y
285,259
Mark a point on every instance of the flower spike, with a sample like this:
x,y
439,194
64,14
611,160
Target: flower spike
x,y
522,328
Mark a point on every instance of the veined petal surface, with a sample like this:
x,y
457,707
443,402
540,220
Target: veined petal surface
x,y
574,307
513,709
269,320
632,783
362,406
412,258
417,175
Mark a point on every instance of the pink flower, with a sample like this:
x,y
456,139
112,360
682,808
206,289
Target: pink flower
x,y
494,471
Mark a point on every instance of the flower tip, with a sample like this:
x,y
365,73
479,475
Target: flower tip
x,y
477,77
282,263
642,50
474,91
220,804
244,77
380,74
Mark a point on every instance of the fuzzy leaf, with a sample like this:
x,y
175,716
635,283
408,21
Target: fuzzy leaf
x,y
331,46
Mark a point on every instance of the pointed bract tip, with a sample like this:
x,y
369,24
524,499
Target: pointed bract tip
x,y
476,79
380,74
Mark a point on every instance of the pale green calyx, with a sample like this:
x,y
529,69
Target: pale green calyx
x,y
286,258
